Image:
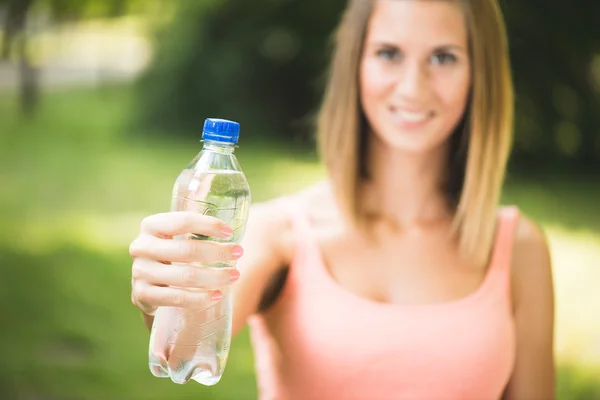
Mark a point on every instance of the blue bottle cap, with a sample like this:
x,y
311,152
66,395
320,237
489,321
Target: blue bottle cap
x,y
221,130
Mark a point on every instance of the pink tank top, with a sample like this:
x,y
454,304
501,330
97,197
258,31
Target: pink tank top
x,y
332,344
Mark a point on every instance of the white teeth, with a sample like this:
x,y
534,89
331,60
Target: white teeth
x,y
412,117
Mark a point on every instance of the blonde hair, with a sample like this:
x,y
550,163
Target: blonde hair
x,y
480,145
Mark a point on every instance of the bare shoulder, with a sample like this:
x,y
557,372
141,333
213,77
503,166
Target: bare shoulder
x,y
269,224
272,221
319,204
316,193
272,213
533,311
531,249
531,261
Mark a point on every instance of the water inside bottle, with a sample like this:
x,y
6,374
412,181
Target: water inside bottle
x,y
193,344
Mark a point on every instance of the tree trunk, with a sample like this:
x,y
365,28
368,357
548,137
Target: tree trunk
x,y
7,38
15,34
29,82
14,23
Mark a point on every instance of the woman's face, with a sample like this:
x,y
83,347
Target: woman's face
x,y
415,72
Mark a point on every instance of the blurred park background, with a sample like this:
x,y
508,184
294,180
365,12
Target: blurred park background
x,y
101,106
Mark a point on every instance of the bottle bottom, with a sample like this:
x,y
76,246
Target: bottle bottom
x,y
204,372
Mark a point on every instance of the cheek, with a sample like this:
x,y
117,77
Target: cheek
x,y
374,82
453,92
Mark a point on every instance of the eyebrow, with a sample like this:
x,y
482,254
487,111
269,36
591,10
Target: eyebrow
x,y
444,47
450,47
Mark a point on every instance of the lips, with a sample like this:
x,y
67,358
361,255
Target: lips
x,y
410,117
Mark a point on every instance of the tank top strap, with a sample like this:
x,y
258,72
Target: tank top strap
x,y
500,265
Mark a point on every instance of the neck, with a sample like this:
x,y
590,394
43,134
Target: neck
x,y
406,189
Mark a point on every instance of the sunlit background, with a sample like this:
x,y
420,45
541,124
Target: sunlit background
x,y
101,106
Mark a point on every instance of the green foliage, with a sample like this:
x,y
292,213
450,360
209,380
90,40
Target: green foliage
x,y
77,9
556,62
258,62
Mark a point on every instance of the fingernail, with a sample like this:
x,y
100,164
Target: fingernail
x,y
237,252
235,275
226,232
217,296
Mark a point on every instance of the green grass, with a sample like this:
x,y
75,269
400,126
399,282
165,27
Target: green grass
x,y
75,184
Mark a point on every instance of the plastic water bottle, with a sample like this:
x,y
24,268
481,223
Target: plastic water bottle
x,y
192,343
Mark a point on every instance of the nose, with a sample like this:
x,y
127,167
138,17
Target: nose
x,y
412,83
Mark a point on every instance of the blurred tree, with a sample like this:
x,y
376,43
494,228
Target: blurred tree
x,y
15,32
262,63
258,62
15,18
15,29
555,49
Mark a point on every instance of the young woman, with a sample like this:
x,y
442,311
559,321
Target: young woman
x,y
400,277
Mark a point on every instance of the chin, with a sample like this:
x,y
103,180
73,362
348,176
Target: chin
x,y
411,141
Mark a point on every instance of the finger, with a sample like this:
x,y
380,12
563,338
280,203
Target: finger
x,y
182,275
180,222
170,250
143,307
158,296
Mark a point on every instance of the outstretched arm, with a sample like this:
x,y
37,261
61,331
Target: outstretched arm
x,y
533,302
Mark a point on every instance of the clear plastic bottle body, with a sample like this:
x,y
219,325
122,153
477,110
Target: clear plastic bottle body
x,y
191,343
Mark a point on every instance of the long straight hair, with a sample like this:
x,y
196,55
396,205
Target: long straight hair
x,y
479,146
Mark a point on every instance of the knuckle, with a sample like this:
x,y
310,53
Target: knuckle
x,y
223,254
186,223
189,250
183,248
140,292
137,271
133,296
173,222
146,223
134,247
178,298
189,275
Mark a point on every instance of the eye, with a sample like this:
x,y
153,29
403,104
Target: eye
x,y
389,54
443,58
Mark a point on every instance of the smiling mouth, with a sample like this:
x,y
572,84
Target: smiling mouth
x,y
411,117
